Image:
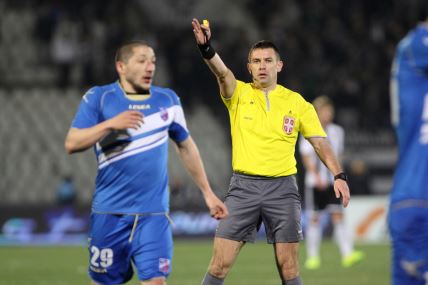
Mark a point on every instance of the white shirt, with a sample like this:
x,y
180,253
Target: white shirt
x,y
336,137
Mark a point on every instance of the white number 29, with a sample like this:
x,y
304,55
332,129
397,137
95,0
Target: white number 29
x,y
104,256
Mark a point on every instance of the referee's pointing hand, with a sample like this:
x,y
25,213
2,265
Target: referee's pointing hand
x,y
202,32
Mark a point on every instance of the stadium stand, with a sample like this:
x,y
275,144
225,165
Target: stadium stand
x,y
338,48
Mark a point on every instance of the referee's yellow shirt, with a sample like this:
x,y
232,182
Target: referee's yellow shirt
x,y
265,128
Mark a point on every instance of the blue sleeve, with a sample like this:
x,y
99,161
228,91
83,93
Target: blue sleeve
x,y
178,129
420,50
88,113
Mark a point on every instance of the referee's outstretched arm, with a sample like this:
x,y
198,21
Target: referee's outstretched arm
x,y
225,78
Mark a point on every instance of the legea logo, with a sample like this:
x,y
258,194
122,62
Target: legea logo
x,y
139,106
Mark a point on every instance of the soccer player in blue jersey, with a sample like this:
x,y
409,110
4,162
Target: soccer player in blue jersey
x,y
408,212
128,124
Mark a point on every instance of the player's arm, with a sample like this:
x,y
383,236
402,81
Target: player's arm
x,y
325,153
225,77
191,159
82,139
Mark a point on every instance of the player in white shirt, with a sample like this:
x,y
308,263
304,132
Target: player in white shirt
x,y
319,194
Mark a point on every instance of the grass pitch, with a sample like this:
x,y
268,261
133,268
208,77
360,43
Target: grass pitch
x,y
255,266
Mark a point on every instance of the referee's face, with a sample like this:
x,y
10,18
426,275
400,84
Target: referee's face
x,y
137,73
264,66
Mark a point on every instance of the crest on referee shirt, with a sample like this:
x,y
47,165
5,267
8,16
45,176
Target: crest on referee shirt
x,y
164,264
288,125
163,113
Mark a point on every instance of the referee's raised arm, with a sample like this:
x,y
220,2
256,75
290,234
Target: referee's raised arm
x,y
225,78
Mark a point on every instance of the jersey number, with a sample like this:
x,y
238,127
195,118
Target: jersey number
x,y
103,257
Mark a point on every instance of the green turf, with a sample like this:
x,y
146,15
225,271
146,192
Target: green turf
x,y
255,265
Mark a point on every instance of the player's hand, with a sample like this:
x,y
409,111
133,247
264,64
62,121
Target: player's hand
x,y
128,119
217,208
202,32
341,189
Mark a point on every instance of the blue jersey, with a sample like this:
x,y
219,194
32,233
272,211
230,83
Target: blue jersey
x,y
409,102
132,164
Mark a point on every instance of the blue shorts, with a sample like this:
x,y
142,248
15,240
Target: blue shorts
x,y
115,240
409,232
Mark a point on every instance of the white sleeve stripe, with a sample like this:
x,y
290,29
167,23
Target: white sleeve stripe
x,y
129,152
155,121
179,117
145,141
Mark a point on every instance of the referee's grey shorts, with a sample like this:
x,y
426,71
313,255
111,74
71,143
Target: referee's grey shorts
x,y
252,200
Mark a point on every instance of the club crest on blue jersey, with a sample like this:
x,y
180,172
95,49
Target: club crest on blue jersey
x,y
164,264
163,113
288,125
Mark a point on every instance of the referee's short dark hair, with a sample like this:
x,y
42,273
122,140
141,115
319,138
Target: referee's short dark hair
x,y
125,51
263,44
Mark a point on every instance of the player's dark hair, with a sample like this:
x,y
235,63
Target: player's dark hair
x,y
264,44
125,51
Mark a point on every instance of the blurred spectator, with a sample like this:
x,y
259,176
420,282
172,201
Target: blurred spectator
x,y
45,28
64,50
359,178
66,192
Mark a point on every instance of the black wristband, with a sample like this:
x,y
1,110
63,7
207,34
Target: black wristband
x,y
207,51
341,175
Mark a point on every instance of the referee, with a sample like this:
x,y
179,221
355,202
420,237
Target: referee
x,y
265,120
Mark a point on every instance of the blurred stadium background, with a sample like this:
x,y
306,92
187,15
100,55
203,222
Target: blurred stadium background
x,y
53,51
